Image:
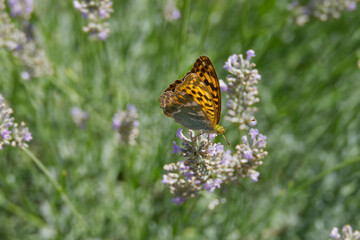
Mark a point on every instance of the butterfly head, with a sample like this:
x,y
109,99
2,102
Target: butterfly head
x,y
219,129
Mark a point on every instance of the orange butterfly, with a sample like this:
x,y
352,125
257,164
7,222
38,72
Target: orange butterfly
x,y
195,101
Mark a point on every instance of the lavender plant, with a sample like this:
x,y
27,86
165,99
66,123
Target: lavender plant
x,y
206,166
18,135
170,11
347,233
241,89
125,124
79,116
321,9
11,133
96,12
21,8
20,43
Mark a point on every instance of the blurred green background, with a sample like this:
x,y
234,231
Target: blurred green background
x,y
309,110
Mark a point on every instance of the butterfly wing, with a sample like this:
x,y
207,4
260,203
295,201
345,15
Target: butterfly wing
x,y
194,101
190,104
206,72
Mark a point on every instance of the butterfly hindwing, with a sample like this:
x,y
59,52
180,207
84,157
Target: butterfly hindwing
x,y
185,110
196,88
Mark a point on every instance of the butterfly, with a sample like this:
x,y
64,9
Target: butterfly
x,y
194,101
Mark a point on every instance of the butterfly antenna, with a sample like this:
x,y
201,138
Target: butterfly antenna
x,y
226,139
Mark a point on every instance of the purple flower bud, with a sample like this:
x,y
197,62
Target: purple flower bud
x,y
254,175
212,135
6,134
178,200
223,86
21,8
253,133
103,13
253,123
248,155
182,166
244,140
27,137
216,149
131,107
335,233
77,5
227,65
103,35
179,134
116,122
351,6
25,75
226,158
165,179
231,61
261,140
249,54
176,14
176,148
211,184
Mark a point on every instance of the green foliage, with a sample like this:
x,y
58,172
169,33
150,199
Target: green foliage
x,y
309,110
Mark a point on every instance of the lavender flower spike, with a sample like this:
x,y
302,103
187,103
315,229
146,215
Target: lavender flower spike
x,y
79,116
125,124
242,92
171,12
20,43
321,9
21,8
96,13
347,233
205,166
12,133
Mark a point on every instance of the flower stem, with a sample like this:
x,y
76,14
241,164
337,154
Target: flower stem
x,y
11,207
56,185
327,172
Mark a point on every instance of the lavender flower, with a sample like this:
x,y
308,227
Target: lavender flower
x,y
205,166
321,9
21,43
300,14
176,148
12,133
96,12
241,89
21,8
216,202
325,9
171,12
347,232
79,116
223,86
126,124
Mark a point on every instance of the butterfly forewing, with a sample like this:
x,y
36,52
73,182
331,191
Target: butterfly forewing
x,y
194,101
206,71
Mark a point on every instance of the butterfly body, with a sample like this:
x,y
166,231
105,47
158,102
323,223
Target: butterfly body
x,y
194,101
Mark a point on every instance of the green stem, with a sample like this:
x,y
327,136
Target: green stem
x,y
327,172
6,204
184,26
56,185
206,28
